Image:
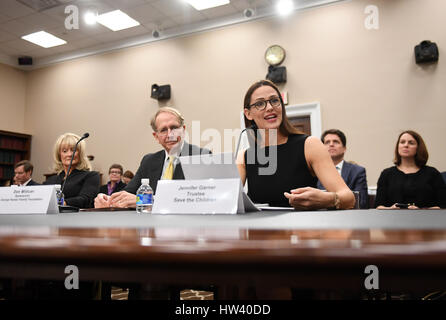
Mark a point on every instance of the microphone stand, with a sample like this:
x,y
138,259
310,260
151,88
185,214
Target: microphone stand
x,y
253,126
65,208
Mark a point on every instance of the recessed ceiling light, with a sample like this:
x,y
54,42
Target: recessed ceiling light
x,y
284,7
206,4
116,20
44,39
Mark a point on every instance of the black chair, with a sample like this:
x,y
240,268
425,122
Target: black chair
x,y
372,198
443,174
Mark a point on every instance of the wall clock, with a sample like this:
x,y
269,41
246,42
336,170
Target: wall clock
x,y
274,55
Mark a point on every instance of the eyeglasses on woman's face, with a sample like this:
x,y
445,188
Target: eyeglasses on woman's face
x,y
261,104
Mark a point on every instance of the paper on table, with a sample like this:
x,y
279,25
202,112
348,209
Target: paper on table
x,y
258,205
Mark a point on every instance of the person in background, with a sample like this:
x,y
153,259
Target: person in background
x,y
410,182
114,184
353,174
127,176
23,171
82,184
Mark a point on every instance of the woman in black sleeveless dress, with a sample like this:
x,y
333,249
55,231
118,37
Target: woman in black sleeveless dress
x,y
282,165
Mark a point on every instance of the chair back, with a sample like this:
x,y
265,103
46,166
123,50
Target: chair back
x,y
443,174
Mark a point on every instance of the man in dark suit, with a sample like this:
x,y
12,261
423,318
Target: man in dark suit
x,y
168,129
23,171
353,174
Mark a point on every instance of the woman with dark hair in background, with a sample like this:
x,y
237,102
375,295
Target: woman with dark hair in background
x,y
410,183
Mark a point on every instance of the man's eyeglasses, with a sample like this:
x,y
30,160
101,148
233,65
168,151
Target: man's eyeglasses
x,y
261,104
115,172
165,131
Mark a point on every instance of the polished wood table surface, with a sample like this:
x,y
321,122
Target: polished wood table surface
x,y
321,249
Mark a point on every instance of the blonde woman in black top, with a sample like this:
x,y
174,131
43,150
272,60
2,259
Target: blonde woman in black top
x,y
82,185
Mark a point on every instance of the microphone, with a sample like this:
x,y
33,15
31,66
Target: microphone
x,y
253,126
63,208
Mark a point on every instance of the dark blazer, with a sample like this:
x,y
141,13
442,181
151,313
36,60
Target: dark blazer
x,y
80,189
33,183
120,186
152,166
355,178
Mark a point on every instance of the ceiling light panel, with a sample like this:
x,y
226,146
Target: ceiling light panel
x,y
44,39
116,20
206,4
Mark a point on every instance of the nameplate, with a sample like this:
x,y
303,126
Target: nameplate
x,y
28,200
210,196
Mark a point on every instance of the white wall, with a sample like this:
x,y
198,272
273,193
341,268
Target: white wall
x,y
12,99
366,81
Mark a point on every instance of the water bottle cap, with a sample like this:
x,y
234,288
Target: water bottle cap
x,y
57,186
145,181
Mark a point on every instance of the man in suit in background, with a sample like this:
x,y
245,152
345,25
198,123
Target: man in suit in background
x,y
23,171
353,174
168,129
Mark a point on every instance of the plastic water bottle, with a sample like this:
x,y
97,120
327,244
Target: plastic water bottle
x,y
59,195
144,197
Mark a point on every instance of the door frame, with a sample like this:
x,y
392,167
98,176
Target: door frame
x,y
312,109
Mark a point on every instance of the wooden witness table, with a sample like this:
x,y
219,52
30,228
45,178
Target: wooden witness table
x,y
316,250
